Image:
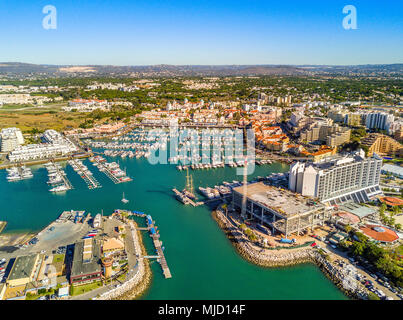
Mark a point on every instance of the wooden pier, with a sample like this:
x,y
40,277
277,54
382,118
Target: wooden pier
x,y
186,200
160,253
108,172
92,183
163,262
62,174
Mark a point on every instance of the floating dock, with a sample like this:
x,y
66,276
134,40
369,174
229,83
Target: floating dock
x,y
105,169
158,247
62,174
186,200
163,262
81,170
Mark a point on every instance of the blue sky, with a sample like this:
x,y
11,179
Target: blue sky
x,y
144,32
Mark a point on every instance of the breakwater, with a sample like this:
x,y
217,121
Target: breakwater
x,y
284,257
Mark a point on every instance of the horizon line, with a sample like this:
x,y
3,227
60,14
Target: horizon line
x,y
206,65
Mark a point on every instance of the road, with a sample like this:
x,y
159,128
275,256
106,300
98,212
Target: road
x,y
341,255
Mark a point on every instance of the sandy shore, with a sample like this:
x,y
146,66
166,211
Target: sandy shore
x,y
14,239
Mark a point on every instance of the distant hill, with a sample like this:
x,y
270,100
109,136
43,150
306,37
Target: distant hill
x,y
16,69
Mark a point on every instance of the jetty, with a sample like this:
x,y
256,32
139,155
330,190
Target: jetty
x,y
162,260
60,172
66,181
182,197
158,248
84,173
112,170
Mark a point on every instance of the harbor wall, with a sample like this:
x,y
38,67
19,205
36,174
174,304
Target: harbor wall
x,y
276,259
42,161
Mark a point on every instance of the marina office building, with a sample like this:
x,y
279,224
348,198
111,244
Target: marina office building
x,y
282,210
338,179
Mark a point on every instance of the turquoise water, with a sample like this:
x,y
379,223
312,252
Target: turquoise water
x,y
203,263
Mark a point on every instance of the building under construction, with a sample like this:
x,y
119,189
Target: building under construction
x,y
282,210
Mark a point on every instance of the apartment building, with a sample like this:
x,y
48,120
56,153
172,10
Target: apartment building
x,y
11,138
338,179
337,115
55,145
333,135
379,120
382,145
338,138
83,105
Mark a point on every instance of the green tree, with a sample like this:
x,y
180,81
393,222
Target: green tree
x,y
373,296
358,248
225,207
382,208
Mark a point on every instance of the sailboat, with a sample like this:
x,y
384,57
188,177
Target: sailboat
x,y
124,200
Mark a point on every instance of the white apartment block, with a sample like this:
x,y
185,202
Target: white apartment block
x,y
338,179
11,138
83,105
55,145
379,120
22,98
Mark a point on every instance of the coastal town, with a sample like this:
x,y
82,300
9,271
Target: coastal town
x,y
338,205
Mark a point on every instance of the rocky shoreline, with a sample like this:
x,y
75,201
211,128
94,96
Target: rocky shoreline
x,y
277,259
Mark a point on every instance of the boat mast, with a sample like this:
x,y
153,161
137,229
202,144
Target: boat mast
x,y
191,185
187,179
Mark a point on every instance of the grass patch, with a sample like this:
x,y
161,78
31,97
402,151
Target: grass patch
x,y
58,258
77,290
122,277
16,106
43,292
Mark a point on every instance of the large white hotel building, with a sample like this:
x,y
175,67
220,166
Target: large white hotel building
x,y
338,179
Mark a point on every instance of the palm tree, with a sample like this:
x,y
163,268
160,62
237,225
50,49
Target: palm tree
x,y
225,206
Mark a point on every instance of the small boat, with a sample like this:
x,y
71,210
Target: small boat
x,y
91,234
124,200
61,188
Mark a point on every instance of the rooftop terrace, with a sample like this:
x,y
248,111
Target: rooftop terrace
x,y
283,201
